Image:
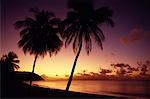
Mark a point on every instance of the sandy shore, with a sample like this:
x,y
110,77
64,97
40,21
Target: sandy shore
x,y
25,91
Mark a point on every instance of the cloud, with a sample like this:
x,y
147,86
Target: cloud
x,y
124,40
112,54
124,69
147,34
134,35
105,71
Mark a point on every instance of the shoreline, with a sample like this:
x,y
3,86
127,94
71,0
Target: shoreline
x,y
23,90
114,93
94,95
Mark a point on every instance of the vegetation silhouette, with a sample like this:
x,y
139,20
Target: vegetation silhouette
x,y
8,63
26,76
82,24
11,88
39,34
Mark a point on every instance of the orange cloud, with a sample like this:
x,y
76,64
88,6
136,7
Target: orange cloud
x,y
112,54
134,35
147,34
123,40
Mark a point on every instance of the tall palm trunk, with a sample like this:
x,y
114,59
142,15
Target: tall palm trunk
x,y
33,68
73,68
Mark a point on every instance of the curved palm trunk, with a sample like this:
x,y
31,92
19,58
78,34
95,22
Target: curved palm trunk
x,y
73,68
33,68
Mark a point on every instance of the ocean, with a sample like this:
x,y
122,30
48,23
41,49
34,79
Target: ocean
x,y
132,89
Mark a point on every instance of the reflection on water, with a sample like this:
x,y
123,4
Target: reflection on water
x,y
128,88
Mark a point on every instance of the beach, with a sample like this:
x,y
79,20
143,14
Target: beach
x,y
25,91
129,89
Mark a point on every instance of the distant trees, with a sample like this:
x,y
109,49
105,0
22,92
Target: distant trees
x,y
39,34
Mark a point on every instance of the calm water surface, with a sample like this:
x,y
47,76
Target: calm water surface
x,y
116,88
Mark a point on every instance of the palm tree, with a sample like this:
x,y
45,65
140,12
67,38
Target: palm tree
x,y
10,62
39,34
82,24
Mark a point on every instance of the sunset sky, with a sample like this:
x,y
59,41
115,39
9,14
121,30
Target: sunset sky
x,y
127,42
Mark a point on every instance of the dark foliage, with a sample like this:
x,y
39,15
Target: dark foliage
x,y
39,34
82,25
26,76
8,63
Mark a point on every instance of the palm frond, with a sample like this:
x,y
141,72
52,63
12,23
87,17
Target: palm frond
x,y
55,21
39,34
104,15
88,41
10,61
28,22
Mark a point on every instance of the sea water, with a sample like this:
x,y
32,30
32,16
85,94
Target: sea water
x,y
103,87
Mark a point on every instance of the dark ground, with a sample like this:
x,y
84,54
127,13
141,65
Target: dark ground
x,y
22,90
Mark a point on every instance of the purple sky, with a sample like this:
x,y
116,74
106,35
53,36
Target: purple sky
x,y
127,42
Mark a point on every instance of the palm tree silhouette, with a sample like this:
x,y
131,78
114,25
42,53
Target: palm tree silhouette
x,y
82,24
39,34
10,62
